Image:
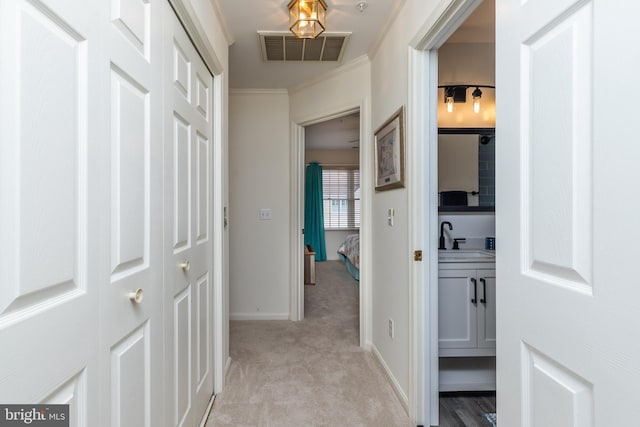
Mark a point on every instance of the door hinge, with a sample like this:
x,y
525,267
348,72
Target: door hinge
x,y
417,255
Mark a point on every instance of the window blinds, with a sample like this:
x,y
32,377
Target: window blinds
x,y
341,198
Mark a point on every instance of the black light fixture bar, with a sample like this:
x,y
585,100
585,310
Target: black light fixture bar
x,y
459,92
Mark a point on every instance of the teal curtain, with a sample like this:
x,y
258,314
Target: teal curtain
x,y
313,211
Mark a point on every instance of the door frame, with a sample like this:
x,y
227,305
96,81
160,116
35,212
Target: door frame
x,y
423,202
296,305
196,32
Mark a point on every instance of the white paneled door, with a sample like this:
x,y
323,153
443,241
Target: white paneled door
x,y
131,323
187,210
49,219
568,236
87,95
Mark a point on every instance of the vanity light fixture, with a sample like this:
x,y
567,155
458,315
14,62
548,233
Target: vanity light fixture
x,y
458,94
477,94
307,18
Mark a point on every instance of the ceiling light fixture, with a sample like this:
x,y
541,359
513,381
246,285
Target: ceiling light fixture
x,y
458,94
361,6
307,18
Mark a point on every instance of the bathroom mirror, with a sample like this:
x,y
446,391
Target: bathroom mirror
x,y
466,164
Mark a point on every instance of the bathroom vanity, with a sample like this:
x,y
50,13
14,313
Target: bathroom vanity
x,y
467,320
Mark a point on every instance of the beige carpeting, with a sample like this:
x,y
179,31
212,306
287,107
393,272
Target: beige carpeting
x,y
308,373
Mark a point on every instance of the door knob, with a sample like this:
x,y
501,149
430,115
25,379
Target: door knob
x,y
136,297
185,266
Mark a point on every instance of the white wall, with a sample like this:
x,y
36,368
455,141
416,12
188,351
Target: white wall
x,y
340,91
333,157
333,238
259,178
391,258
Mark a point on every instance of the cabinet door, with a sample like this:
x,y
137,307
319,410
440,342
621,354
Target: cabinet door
x,y
456,311
486,308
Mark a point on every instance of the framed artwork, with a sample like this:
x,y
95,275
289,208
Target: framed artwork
x,y
389,153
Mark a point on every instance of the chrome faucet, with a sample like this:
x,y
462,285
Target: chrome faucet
x,y
442,233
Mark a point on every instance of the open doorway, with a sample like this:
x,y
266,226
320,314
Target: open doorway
x,y
466,219
332,220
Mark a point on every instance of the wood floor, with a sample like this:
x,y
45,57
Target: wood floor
x,y
466,409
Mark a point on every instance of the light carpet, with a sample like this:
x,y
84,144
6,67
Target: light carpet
x,y
307,373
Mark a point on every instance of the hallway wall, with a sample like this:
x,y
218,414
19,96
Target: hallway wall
x,y
391,257
259,179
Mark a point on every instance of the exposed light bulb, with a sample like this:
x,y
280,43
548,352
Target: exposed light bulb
x,y
450,104
477,94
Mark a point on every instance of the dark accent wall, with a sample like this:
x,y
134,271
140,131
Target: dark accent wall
x,y
487,172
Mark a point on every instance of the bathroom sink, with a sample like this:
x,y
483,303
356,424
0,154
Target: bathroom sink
x,y
466,255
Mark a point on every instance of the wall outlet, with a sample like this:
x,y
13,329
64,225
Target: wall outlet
x,y
265,214
392,331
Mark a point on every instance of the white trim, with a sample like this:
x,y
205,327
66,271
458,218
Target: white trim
x,y
418,380
189,19
423,203
366,183
223,22
443,21
218,198
207,412
259,316
227,366
296,188
392,379
354,63
257,91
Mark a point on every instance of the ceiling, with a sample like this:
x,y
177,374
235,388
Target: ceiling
x,y
244,18
342,133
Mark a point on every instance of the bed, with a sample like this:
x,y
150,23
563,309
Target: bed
x,y
349,252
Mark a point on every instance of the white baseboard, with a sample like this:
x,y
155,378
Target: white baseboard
x,y
259,316
392,379
227,366
206,414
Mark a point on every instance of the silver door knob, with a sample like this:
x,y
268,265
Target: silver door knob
x,y
136,297
185,266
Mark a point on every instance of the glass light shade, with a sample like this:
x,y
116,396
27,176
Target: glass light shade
x,y
450,104
477,94
307,18
476,105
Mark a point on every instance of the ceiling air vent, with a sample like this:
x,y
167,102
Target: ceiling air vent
x,y
284,46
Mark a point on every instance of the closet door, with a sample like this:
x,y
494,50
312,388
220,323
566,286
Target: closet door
x,y
188,257
131,294
50,138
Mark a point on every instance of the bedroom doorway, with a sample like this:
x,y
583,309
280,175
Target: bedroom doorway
x,y
332,216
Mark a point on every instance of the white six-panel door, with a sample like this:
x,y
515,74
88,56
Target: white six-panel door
x,y
568,235
187,207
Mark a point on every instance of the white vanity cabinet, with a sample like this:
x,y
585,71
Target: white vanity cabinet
x,y
467,311
467,320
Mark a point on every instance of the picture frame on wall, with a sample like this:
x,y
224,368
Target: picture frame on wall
x,y
389,153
